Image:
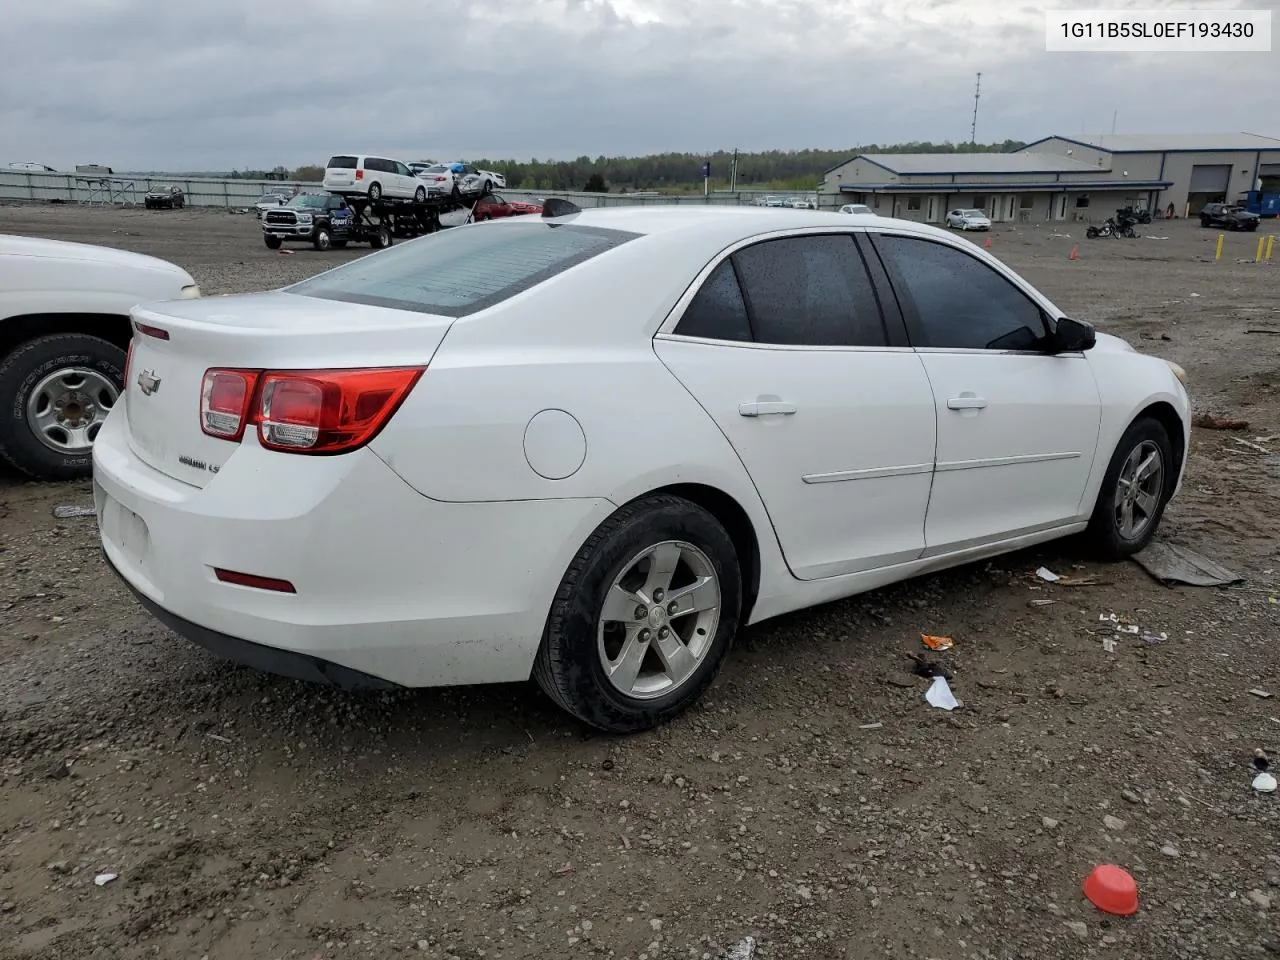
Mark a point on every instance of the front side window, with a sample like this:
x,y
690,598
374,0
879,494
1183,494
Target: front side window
x,y
956,301
459,272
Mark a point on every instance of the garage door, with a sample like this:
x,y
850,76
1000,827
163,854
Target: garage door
x,y
1210,178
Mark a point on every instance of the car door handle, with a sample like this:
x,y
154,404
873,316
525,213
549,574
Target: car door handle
x,y
764,408
966,402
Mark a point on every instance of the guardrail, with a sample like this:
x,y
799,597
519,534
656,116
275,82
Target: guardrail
x,y
129,189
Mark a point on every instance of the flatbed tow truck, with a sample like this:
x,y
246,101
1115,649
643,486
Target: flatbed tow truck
x,y
328,220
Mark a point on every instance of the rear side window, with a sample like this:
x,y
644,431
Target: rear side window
x,y
459,272
341,163
810,291
717,310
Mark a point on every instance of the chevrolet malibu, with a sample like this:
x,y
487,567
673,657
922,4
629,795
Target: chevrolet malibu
x,y
595,459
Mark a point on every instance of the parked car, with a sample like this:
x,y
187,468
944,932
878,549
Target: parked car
x,y
170,198
968,219
351,521
498,180
471,181
1229,215
441,180
419,166
493,205
357,175
270,200
801,205
64,329
860,209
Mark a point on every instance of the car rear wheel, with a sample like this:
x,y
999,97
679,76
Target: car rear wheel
x,y
643,618
1135,490
375,191
57,391
420,195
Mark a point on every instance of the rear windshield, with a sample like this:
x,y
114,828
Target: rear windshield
x,y
463,270
341,163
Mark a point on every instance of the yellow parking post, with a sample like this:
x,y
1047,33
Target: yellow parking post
x,y
1271,242
1257,257
1218,254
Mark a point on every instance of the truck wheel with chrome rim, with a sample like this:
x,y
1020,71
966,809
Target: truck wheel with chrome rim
x,y
57,391
644,616
1135,489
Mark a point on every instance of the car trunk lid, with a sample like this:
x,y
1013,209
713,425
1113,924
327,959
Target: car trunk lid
x,y
178,341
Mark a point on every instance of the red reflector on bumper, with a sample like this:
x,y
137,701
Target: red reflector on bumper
x,y
251,580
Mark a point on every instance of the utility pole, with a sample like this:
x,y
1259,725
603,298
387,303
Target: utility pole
x,y
733,176
973,128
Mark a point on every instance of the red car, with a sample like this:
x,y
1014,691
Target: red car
x,y
491,206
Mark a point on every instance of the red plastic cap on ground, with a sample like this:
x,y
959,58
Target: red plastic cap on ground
x,y
1112,890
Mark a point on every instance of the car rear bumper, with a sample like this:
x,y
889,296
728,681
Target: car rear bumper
x,y
391,587
284,663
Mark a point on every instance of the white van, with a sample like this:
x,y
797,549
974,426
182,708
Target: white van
x,y
373,177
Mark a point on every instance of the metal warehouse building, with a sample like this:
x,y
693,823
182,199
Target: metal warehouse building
x,y
1063,178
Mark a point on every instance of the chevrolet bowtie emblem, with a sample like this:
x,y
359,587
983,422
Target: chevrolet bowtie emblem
x,y
148,382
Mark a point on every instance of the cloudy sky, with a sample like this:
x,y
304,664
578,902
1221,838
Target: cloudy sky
x,y
216,84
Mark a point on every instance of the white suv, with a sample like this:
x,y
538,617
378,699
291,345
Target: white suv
x,y
372,177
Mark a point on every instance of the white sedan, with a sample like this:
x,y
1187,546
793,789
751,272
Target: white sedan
x,y
968,220
634,432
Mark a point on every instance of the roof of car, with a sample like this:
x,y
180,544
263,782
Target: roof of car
x,y
730,221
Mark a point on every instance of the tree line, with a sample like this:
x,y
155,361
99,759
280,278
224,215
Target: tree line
x,y
673,172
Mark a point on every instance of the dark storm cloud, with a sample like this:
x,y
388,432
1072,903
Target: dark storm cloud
x,y
155,84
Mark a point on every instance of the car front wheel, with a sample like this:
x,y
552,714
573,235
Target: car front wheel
x,y
644,616
1134,491
57,390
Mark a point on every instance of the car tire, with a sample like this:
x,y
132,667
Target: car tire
x,y
571,667
323,239
382,237
1106,532
273,243
375,192
420,195
93,369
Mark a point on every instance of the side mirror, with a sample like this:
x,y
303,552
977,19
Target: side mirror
x,y
1071,336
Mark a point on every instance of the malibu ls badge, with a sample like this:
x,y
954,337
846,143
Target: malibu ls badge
x,y
148,382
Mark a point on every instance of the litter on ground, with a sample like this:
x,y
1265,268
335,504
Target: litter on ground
x,y
939,695
1171,563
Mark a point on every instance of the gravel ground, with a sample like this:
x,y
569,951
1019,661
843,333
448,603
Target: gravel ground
x,y
812,801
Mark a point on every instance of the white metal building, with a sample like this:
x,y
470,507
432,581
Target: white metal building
x,y
1060,178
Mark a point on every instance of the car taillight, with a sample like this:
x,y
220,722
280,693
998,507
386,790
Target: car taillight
x,y
439,179
359,174
329,411
304,411
225,396
128,364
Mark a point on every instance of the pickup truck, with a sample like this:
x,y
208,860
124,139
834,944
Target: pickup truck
x,y
324,220
1229,215
64,333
